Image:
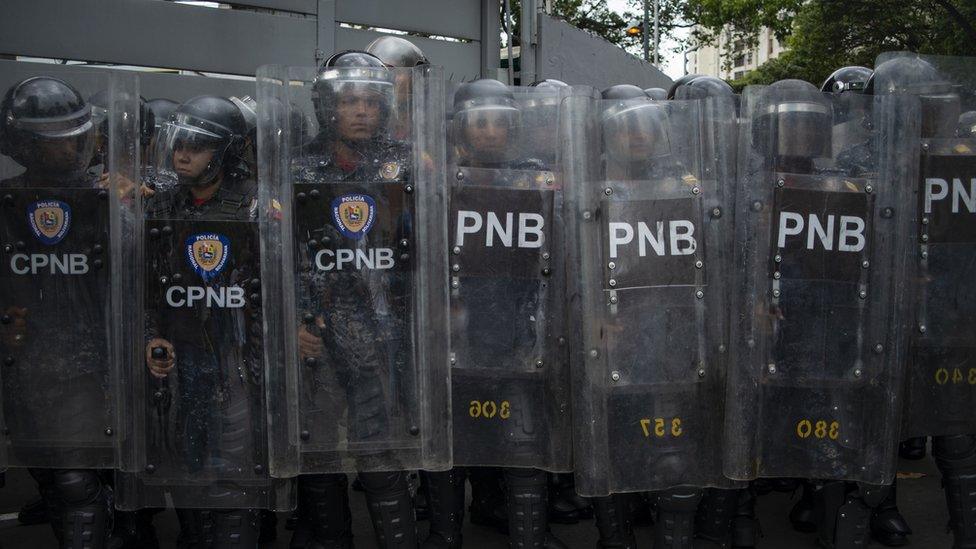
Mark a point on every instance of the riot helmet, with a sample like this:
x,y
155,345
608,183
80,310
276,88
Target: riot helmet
x,y
353,97
202,140
703,87
100,103
966,127
796,119
394,51
635,129
847,79
486,122
540,117
656,94
940,100
162,109
680,82
46,126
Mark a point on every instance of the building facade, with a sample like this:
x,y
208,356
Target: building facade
x,y
735,62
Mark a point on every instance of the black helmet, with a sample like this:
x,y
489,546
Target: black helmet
x,y
162,109
394,51
623,91
633,126
656,94
100,108
44,110
248,107
702,87
796,118
482,102
680,82
847,79
913,75
210,123
966,127
348,71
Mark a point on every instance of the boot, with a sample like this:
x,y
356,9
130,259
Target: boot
x,y
445,498
713,521
390,509
613,522
325,520
565,505
888,526
745,525
488,498
236,528
802,515
912,448
676,517
33,512
526,499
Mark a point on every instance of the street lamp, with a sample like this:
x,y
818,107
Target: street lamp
x,y
640,28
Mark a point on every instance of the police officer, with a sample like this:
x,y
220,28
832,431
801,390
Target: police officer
x,y
354,112
46,127
202,147
955,454
656,94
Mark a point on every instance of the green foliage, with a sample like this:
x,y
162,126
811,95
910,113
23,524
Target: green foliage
x,y
824,35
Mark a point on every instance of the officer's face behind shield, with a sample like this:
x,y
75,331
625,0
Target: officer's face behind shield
x,y
941,105
189,152
801,129
488,133
636,131
52,147
359,112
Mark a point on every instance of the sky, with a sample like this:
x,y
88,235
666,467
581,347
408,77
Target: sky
x,y
671,63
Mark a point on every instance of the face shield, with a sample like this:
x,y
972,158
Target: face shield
x,y
636,131
487,132
190,150
801,129
55,145
355,101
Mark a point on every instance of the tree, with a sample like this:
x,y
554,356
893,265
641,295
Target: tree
x,y
823,35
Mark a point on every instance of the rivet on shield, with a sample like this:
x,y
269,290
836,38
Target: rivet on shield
x,y
771,368
696,190
97,263
549,181
608,191
456,250
701,372
313,244
778,258
453,360
5,319
404,243
921,329
925,146
868,189
408,189
614,299
925,221
545,255
699,264
587,215
103,194
20,245
154,233
163,280
756,206
862,294
777,275
721,348
716,212
167,230
455,267
887,213
538,364
780,182
615,376
546,271
97,249
925,238
308,318
150,468
8,200
305,435
865,264
612,282
314,193
857,372
925,255
459,175
8,248
776,293
594,353
879,348
414,430
310,361
258,469
404,257
611,265
455,284
301,197
699,294
108,431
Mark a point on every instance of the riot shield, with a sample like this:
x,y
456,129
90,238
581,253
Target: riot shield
x,y
200,430
359,367
813,388
67,202
941,377
650,224
509,373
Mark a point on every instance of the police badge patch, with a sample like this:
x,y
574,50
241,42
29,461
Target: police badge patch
x,y
390,170
208,254
49,220
354,215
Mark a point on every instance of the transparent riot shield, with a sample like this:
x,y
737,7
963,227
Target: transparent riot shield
x,y
198,389
67,204
813,390
941,374
650,222
357,245
509,368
